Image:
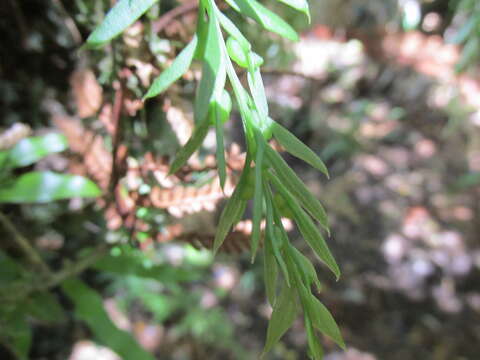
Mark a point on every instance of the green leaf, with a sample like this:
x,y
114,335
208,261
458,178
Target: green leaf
x,y
233,31
268,19
291,181
316,351
45,307
323,320
469,54
258,195
270,270
297,148
232,211
130,264
307,271
466,30
191,146
308,229
15,331
89,308
220,151
255,83
273,233
236,52
213,71
32,149
121,16
300,5
42,187
175,71
283,316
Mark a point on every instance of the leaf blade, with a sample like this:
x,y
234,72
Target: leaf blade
x,y
179,66
42,187
297,148
121,16
297,187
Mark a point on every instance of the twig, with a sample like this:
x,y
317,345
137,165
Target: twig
x,y
166,18
117,134
69,22
22,290
29,251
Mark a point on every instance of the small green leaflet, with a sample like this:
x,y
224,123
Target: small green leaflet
x,y
121,16
236,52
300,5
175,71
273,233
297,148
258,195
232,211
288,177
307,271
213,71
316,351
257,90
466,30
191,146
308,229
270,270
220,151
89,308
232,30
283,316
45,308
32,149
17,331
42,187
323,320
268,19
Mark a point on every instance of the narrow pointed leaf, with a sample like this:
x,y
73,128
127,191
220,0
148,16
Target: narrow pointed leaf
x,y
121,16
232,211
220,152
237,53
191,146
42,187
213,71
283,316
258,195
300,5
257,90
32,149
179,67
270,270
273,233
297,148
292,182
89,308
233,31
316,351
323,320
268,19
308,273
308,229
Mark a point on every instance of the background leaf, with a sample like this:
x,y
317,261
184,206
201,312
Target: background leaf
x,y
283,315
32,149
41,187
297,148
121,16
179,66
89,308
265,17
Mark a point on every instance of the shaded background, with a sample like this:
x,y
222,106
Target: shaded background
x,y
386,92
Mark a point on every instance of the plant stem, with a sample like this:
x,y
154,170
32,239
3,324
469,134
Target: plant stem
x,y
32,255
